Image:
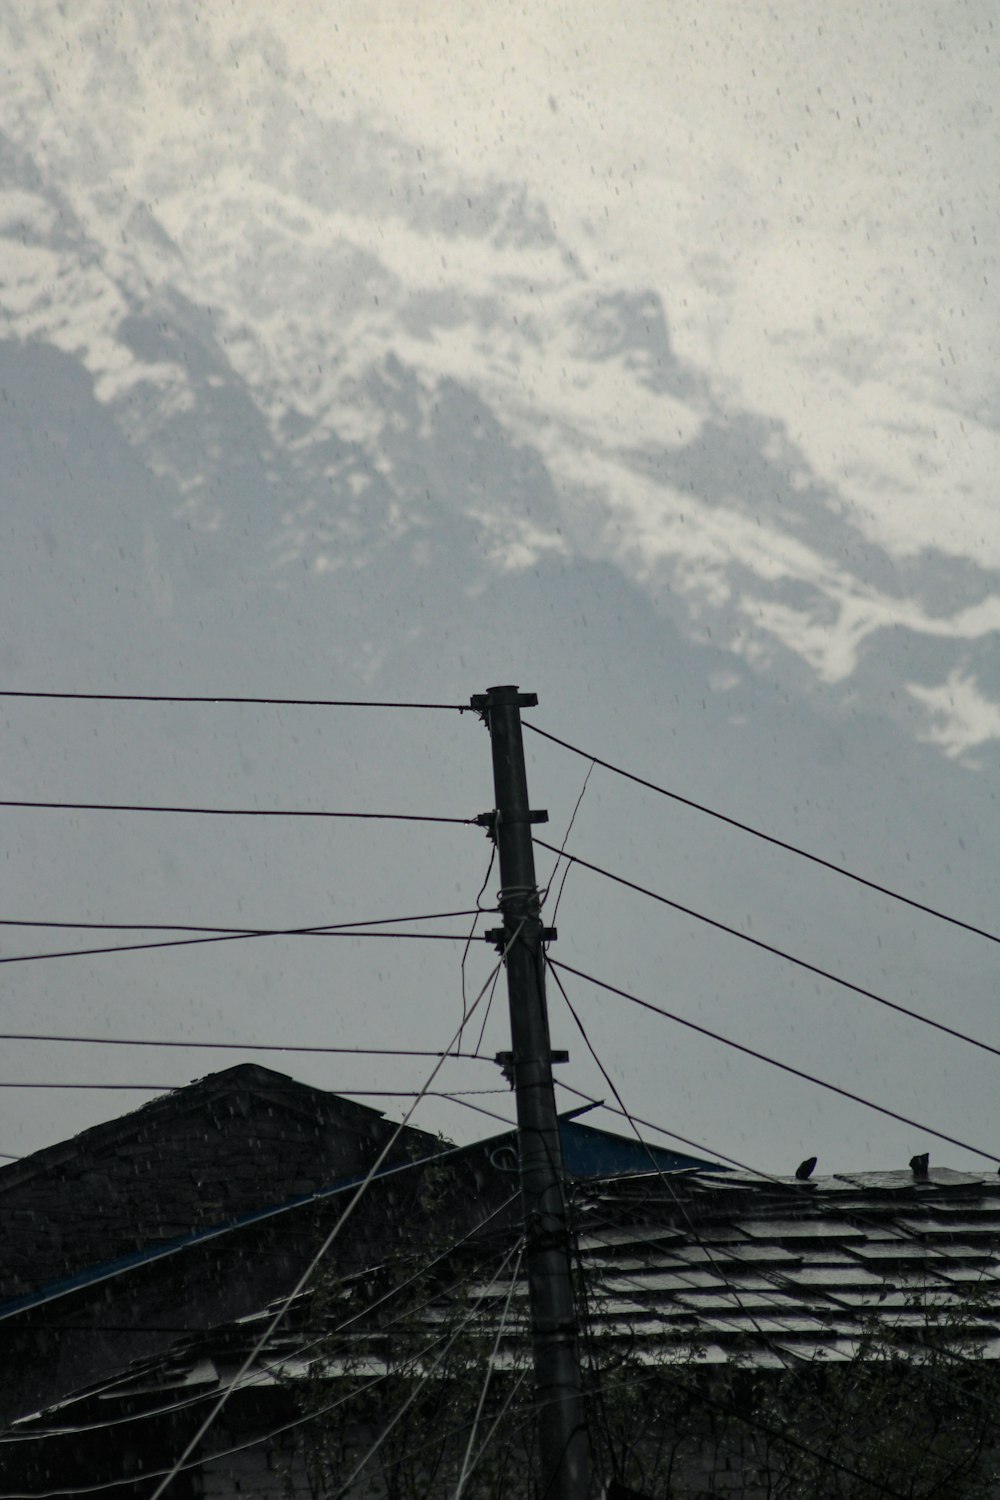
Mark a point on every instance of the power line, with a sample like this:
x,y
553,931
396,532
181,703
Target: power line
x,y
467,1459
773,1062
154,1088
678,1203
224,934
235,812
781,953
9,1437
426,1374
135,1041
816,859
823,1210
430,916
460,708
314,1264
231,937
183,1465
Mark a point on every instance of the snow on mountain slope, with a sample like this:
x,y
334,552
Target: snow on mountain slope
x,y
276,298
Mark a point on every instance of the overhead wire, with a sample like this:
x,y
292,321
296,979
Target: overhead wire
x,y
150,1088
415,1392
776,952
816,859
678,1204
78,1429
466,1468
901,1231
317,1258
235,812
232,937
461,708
472,934
495,1424
562,846
198,1046
223,930
772,1061
486,1013
785,1283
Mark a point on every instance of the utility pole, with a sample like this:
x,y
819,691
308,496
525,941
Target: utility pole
x,y
563,1442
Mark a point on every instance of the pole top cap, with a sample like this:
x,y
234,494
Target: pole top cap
x,y
507,694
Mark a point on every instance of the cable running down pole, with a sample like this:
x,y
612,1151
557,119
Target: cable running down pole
x,y
563,1441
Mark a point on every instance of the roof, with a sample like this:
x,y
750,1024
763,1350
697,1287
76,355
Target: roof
x,y
687,1267
589,1152
211,1154
777,1270
228,1089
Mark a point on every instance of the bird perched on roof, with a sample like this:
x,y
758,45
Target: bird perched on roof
x,y
804,1170
919,1166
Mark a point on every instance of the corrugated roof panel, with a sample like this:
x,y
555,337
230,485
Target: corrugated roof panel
x,y
900,1300
629,1234
765,1324
834,1350
753,1254
944,1177
987,1226
809,1229
741,1299
615,1263
651,1280
837,1273
912,1250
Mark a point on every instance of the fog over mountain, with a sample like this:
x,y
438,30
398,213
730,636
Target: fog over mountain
x,y
298,399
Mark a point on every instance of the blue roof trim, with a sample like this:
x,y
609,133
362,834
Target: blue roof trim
x,y
111,1268
589,1151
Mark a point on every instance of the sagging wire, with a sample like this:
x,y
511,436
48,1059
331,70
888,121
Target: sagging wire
x,y
472,933
266,1368
769,838
404,1408
774,1062
320,1254
555,867
466,1466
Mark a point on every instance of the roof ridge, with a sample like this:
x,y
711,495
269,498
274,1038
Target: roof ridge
x,y
250,1077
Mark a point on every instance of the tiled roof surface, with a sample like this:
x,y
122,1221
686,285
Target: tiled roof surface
x,y
187,1162
693,1268
781,1270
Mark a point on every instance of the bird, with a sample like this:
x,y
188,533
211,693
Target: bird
x,y
919,1166
804,1169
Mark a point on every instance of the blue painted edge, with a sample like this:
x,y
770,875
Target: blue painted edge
x,y
598,1153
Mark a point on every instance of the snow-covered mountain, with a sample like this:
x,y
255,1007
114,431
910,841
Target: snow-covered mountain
x,y
325,336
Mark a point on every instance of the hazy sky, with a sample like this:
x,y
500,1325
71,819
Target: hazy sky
x,y
644,354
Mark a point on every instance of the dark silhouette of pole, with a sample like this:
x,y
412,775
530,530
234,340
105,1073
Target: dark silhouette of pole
x,y
563,1442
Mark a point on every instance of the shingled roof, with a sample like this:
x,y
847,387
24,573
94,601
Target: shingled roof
x,y
780,1270
700,1268
224,1146
699,1273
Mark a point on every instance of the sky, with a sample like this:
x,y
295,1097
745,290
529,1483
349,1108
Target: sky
x,y
644,356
